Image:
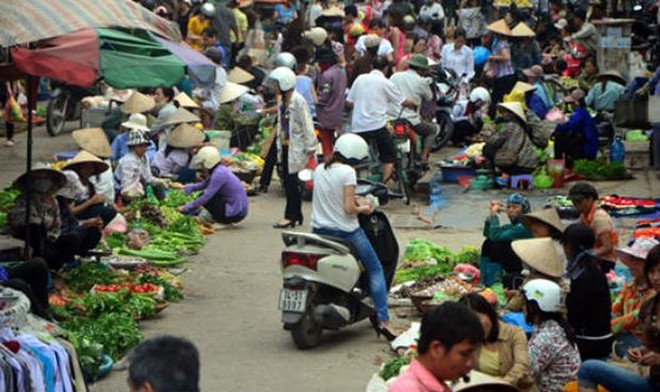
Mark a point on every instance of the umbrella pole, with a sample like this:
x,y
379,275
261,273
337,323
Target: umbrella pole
x,y
30,104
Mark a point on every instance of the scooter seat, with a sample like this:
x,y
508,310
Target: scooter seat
x,y
347,244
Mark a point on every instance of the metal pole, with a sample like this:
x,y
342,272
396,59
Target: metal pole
x,y
30,104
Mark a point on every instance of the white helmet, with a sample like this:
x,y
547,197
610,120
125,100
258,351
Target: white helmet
x,y
480,94
546,293
207,157
286,59
352,147
285,78
208,10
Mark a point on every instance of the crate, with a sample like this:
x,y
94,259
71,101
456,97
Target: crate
x,y
638,154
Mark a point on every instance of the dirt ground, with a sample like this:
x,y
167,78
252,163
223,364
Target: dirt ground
x,y
231,287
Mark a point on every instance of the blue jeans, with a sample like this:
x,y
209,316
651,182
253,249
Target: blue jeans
x,y
371,263
614,378
624,342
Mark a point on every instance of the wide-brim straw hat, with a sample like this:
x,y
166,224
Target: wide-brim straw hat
x,y
185,101
638,250
524,87
515,108
138,103
614,74
232,91
522,30
55,176
239,75
181,116
482,382
137,121
84,158
540,254
185,136
93,140
500,27
548,216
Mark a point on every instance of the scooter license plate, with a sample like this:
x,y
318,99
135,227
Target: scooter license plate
x,y
293,300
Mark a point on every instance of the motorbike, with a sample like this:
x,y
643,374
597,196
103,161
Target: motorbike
x,y
324,286
447,89
574,59
408,150
65,104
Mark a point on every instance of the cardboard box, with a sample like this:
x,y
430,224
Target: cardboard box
x,y
638,154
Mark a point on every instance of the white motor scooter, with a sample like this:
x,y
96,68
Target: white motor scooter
x,y
324,285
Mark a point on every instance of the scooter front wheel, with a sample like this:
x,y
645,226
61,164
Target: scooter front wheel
x,y
306,333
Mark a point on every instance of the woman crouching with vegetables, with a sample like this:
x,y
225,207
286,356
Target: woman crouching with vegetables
x,y
224,196
334,213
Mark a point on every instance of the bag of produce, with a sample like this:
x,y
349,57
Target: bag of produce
x,y
137,239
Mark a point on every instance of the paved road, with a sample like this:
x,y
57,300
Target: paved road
x,y
230,310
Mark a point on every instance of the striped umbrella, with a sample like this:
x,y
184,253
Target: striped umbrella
x,y
26,21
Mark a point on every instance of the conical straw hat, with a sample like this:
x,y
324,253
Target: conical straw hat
x,y
239,75
500,27
515,108
540,254
185,101
181,116
548,216
481,382
93,140
185,136
231,91
84,158
138,103
522,30
524,87
41,170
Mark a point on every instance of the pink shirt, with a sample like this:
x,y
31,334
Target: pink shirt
x,y
418,379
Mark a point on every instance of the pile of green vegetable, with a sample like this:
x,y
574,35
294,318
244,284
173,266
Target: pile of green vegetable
x,y
599,169
8,197
423,258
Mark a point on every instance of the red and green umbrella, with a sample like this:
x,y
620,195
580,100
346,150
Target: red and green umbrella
x,y
122,58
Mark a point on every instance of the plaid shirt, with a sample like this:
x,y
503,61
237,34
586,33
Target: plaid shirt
x,y
625,310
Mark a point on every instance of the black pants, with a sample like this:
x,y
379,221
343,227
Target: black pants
x,y
76,242
31,278
568,144
269,165
293,211
106,212
501,87
501,252
217,207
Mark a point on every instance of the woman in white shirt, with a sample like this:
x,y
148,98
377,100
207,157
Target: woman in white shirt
x,y
334,213
458,57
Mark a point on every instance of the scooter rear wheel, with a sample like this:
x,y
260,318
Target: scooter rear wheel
x,y
306,333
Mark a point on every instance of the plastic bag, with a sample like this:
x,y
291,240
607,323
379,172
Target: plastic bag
x,y
137,239
117,225
134,190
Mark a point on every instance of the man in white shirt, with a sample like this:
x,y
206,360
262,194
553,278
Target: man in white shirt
x,y
433,10
377,30
458,57
370,97
416,88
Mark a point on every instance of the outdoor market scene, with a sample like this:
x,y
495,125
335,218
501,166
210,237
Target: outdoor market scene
x,y
326,195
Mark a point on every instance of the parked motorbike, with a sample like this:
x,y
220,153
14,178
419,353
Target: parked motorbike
x,y
408,145
64,105
324,287
574,59
447,88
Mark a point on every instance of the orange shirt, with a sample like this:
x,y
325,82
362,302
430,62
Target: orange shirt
x,y
601,222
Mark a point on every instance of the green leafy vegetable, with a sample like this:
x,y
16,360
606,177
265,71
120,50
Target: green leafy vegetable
x,y
82,278
597,169
392,367
117,333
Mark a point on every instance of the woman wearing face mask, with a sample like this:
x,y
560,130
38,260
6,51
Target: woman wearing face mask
x,y
626,323
224,197
596,373
496,252
588,302
511,150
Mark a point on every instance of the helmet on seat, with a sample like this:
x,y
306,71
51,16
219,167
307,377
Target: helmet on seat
x,y
352,147
480,94
286,59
